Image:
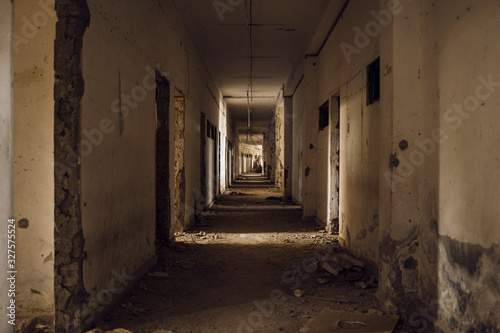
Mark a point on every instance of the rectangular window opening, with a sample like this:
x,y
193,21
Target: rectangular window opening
x,y
373,82
324,116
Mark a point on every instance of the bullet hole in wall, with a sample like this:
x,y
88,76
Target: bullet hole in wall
x,y
23,223
410,263
393,161
308,169
403,145
311,146
35,292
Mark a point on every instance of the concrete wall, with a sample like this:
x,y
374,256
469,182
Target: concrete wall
x,y
346,77
456,93
269,152
33,150
118,190
6,110
323,176
298,132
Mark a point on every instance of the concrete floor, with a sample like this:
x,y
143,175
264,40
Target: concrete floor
x,y
216,277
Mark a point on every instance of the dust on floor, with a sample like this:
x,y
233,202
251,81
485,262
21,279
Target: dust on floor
x,y
241,270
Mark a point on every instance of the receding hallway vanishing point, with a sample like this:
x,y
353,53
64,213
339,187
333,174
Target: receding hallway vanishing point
x,y
249,248
186,165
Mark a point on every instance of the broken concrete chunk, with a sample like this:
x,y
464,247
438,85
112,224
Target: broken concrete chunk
x,y
361,285
299,293
118,330
332,267
347,261
133,309
375,312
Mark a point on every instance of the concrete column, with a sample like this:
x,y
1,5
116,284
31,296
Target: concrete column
x,y
400,125
288,146
311,120
6,13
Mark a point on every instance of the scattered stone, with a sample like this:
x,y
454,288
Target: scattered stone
x,y
332,268
118,330
360,285
321,281
299,293
135,310
375,312
347,261
339,321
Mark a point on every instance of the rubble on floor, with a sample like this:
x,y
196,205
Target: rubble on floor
x,y
339,321
118,330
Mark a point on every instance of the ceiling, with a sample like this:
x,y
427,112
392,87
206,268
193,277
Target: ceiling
x,y
250,46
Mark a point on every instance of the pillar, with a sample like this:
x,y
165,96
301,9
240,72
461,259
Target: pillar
x,y
401,222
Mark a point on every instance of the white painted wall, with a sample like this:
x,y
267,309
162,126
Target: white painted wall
x,y
33,153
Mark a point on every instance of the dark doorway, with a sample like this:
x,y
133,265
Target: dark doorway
x,y
335,165
162,161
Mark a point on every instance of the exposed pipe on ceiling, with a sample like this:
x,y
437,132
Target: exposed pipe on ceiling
x,y
250,81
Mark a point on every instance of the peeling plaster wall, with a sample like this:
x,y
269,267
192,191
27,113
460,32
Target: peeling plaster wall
x,y
233,137
118,176
180,205
33,153
269,152
298,133
280,148
6,155
469,156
